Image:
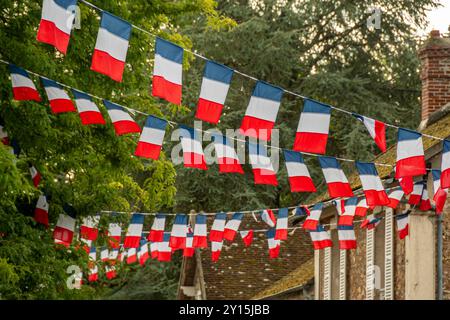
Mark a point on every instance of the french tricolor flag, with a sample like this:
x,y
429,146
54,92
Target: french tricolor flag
x,y
371,184
87,109
247,237
64,229
121,120
151,139
114,235
41,211
215,85
320,238
299,177
3,134
104,254
440,195
347,239
347,216
23,87
370,222
200,237
216,232
313,128
154,246
377,130
445,165
232,226
164,249
216,248
156,233
395,196
312,221
402,225
179,232
281,229
338,186
416,195
268,217
168,71
134,231
262,111
143,252
88,229
131,255
425,203
227,157
273,244
110,272
35,176
93,274
361,208
407,184
111,48
263,171
58,98
56,23
193,156
113,255
189,250
410,156
301,211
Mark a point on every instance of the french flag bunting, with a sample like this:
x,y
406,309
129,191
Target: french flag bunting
x,y
168,71
247,237
151,139
93,254
156,233
273,244
395,196
3,134
143,252
268,217
361,208
410,155
312,221
340,206
56,23
23,87
215,84
89,227
41,211
110,272
216,248
439,194
371,183
35,176
425,203
63,232
346,218
114,235
113,255
86,244
301,211
298,173
377,130
121,120
226,155
111,48
200,232
262,111
337,183
134,231
216,232
370,222
320,238
232,226
407,184
57,97
15,150
347,239
154,246
87,109
189,250
402,225
104,254
313,128
445,165
131,255
416,194
193,156
179,231
164,248
93,274
281,229
262,168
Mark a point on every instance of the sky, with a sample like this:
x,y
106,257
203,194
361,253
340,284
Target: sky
x,y
438,18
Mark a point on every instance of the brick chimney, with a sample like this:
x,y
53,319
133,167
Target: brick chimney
x,y
435,73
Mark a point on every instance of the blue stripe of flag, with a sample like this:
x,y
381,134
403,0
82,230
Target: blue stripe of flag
x,y
169,50
116,25
218,72
267,91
